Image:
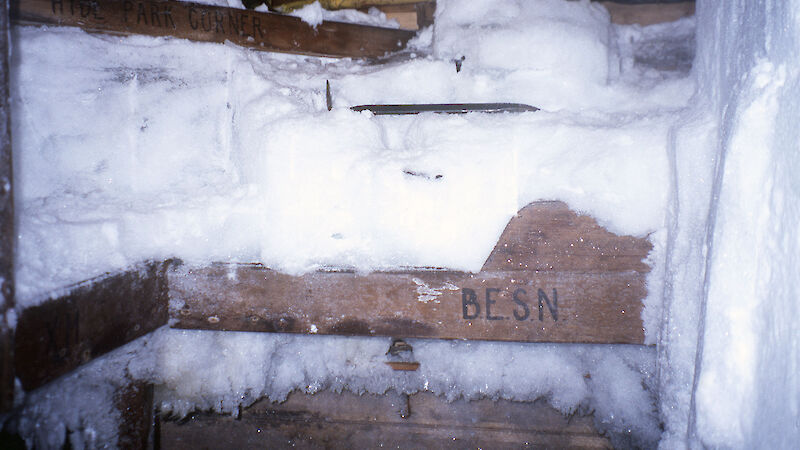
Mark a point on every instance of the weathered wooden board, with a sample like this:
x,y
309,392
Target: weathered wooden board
x,y
626,13
554,276
410,16
262,31
92,319
328,420
7,234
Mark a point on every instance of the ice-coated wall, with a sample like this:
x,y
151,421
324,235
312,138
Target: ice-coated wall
x,y
734,261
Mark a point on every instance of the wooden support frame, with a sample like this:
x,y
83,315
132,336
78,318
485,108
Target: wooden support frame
x,y
193,21
554,276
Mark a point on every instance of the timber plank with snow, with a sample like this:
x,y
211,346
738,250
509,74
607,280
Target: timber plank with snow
x,y
204,23
554,276
330,420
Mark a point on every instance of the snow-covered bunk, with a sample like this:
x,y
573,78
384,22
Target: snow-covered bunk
x,y
554,276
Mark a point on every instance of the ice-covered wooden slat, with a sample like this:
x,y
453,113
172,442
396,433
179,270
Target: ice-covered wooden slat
x,y
554,276
422,420
261,31
88,321
7,234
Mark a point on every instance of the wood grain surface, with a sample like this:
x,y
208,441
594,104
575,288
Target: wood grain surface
x,y
260,31
92,319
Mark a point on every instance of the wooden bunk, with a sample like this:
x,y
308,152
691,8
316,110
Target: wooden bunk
x,y
554,276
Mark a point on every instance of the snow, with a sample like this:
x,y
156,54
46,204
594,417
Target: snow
x,y
128,149
231,150
145,150
314,14
747,388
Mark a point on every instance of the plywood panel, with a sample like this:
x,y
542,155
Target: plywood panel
x,y
554,276
261,31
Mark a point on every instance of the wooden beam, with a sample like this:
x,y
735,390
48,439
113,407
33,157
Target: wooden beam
x,y
92,319
7,235
329,420
260,31
627,13
554,276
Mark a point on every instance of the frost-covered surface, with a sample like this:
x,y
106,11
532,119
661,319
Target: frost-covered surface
x,y
150,148
141,148
747,383
80,407
613,381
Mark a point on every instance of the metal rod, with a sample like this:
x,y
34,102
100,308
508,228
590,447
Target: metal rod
x,y
445,108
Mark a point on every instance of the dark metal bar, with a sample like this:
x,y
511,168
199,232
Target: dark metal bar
x,y
445,108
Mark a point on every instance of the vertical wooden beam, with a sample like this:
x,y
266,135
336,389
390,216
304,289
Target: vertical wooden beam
x,y
7,235
135,405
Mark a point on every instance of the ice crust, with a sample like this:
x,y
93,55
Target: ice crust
x,y
140,148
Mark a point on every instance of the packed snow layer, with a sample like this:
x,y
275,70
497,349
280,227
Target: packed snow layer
x,y
148,148
513,35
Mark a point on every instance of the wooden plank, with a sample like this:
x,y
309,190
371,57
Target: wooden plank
x,y
261,31
405,15
648,13
92,319
554,276
328,420
7,234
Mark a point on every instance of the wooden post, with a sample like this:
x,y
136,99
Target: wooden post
x,y
135,405
260,31
7,234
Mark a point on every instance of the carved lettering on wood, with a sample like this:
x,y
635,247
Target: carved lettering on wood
x,y
262,31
